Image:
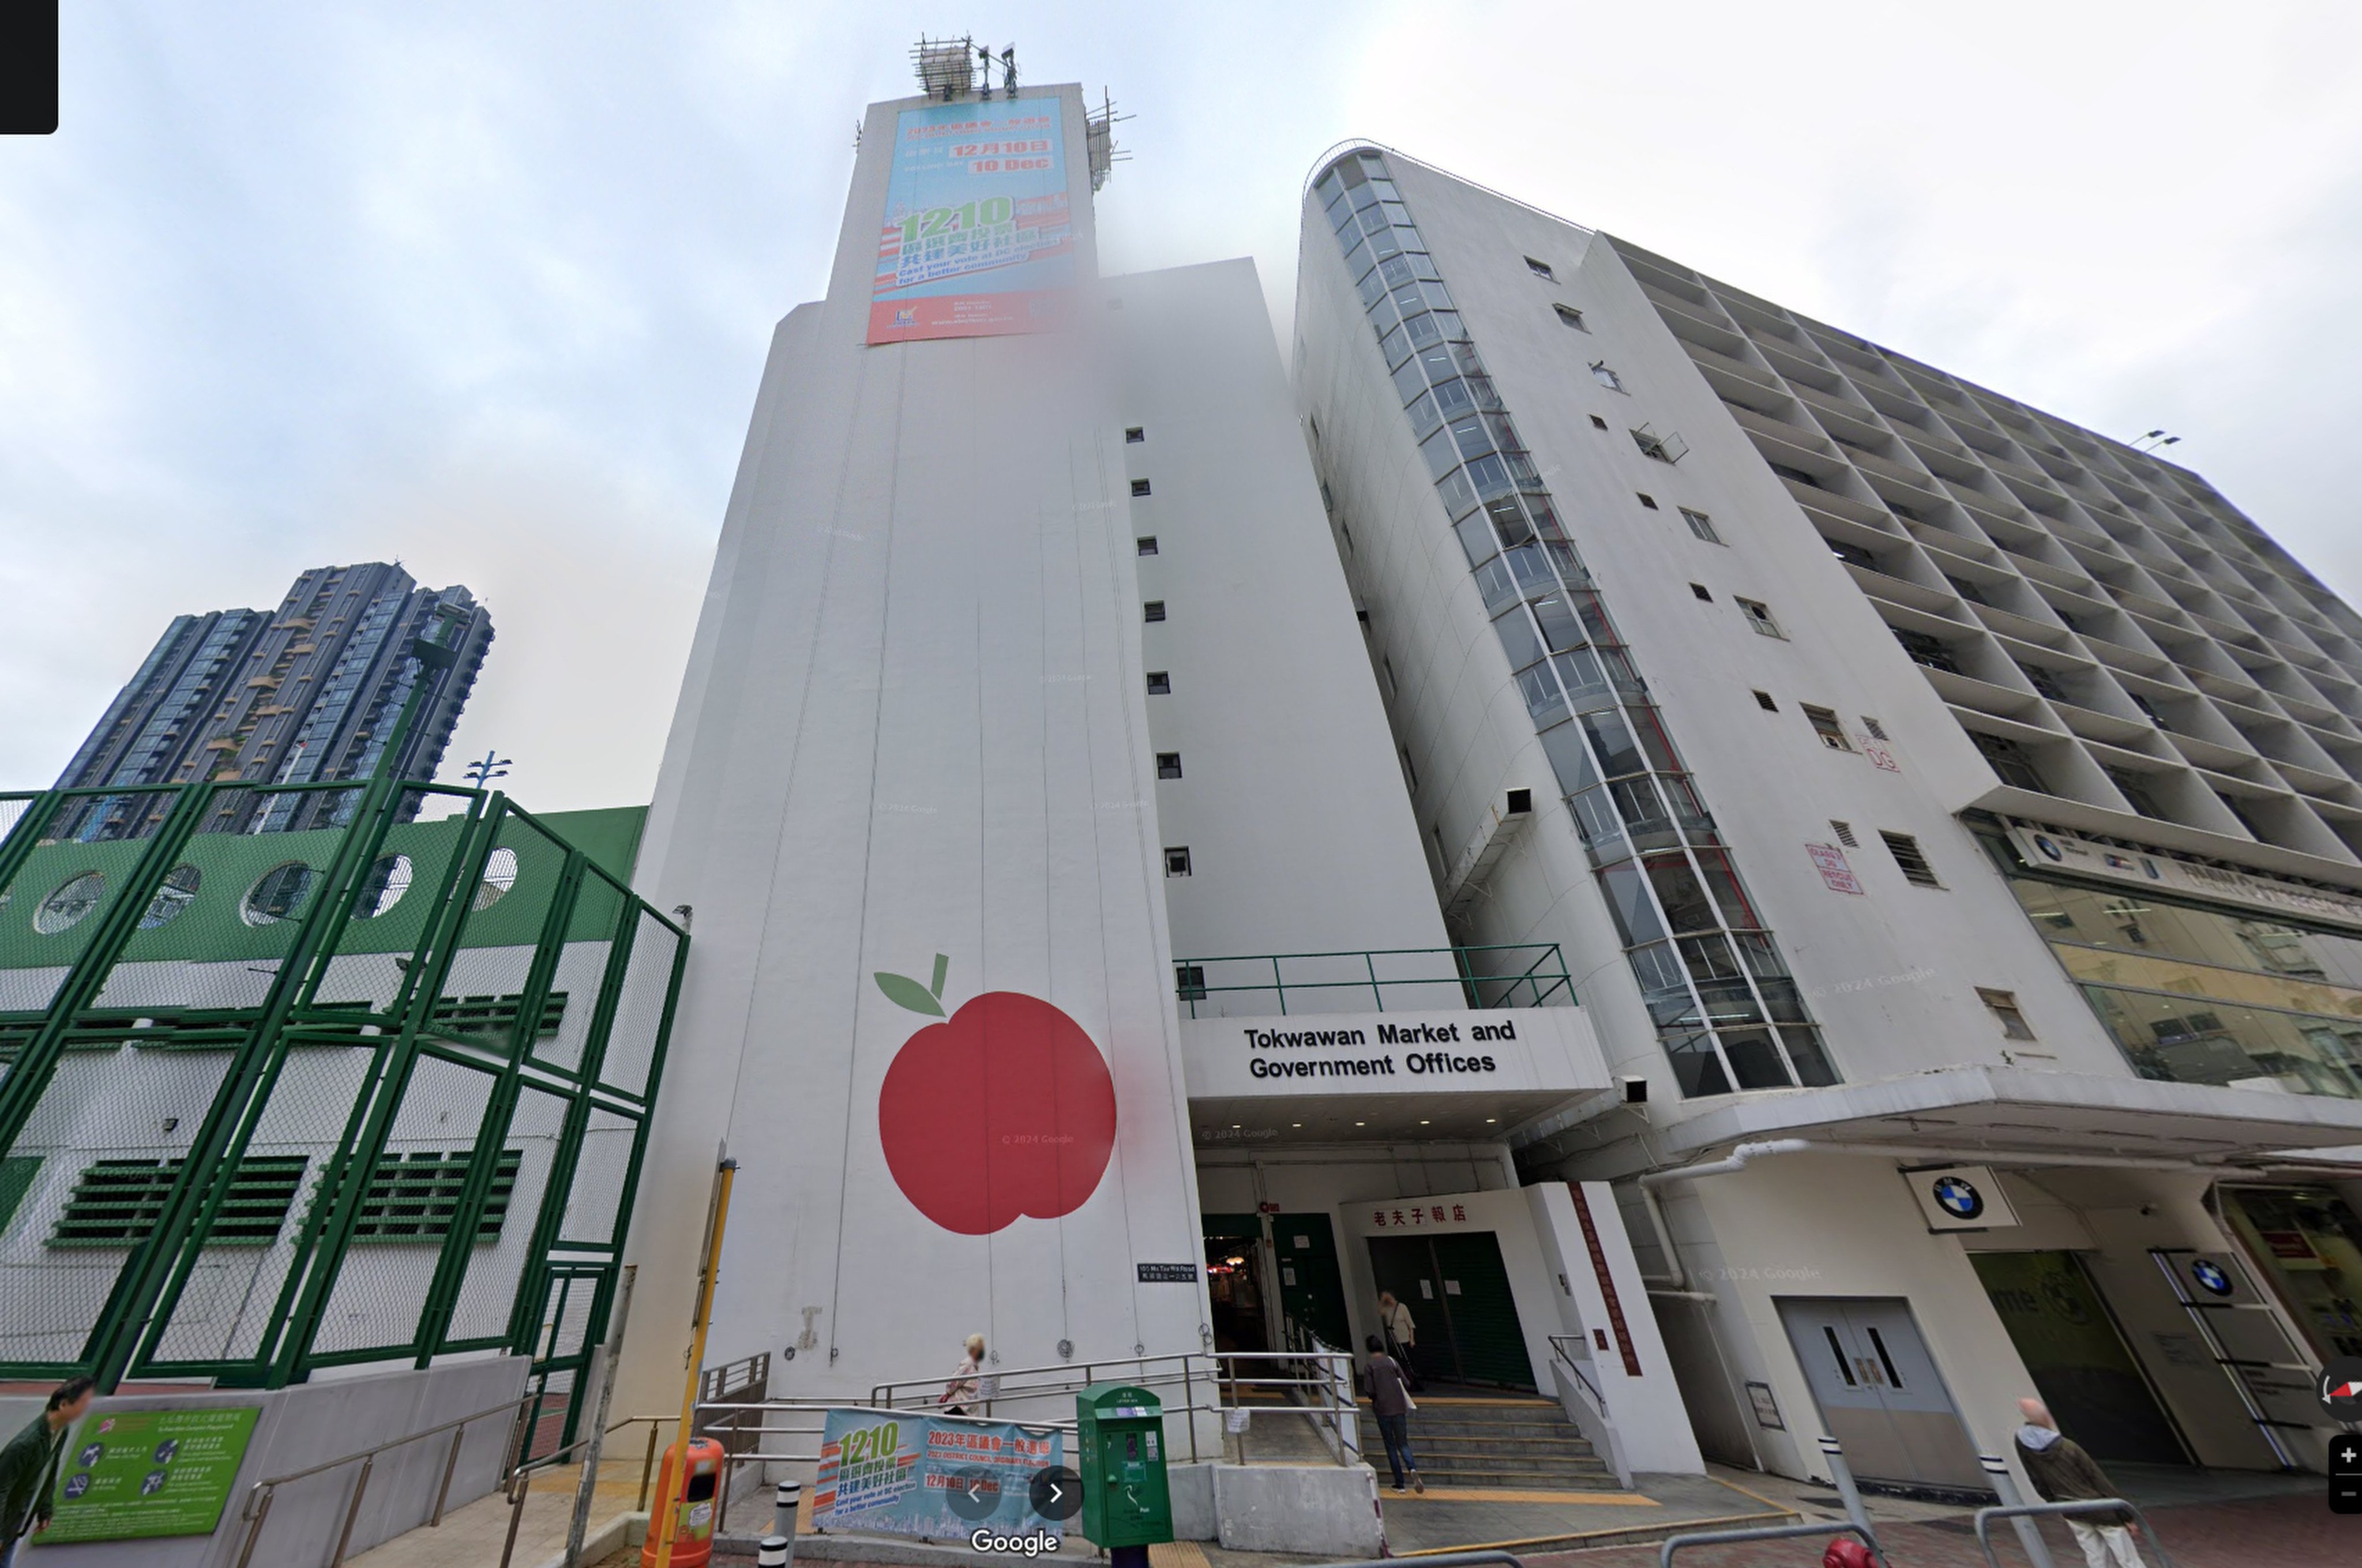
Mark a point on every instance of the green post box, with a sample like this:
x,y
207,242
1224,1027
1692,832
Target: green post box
x,y
1119,1443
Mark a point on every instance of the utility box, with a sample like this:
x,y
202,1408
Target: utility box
x,y
1120,1444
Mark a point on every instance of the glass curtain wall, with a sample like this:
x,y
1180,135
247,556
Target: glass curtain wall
x,y
1725,1009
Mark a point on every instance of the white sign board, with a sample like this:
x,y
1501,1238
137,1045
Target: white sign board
x,y
1961,1197
1513,1050
2218,884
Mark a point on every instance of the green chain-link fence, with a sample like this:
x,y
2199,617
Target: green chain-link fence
x,y
312,1076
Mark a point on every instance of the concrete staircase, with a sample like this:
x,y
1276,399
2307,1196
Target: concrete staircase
x,y
1525,1445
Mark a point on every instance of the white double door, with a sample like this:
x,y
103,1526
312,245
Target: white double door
x,y
1879,1391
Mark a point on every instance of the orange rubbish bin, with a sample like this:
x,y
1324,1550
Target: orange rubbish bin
x,y
688,1489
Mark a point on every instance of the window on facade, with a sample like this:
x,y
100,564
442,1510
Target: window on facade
x,y
2134,787
1760,617
1386,663
1133,435
1852,555
1160,683
1540,268
1702,525
1845,832
1410,774
1571,317
1146,544
1177,860
2045,680
2003,1006
1824,724
1927,650
1168,765
1763,701
1345,534
1140,487
2148,710
1648,502
1606,377
2231,803
2010,762
1190,981
1598,423
1153,610
1698,591
1877,731
1967,590
1910,859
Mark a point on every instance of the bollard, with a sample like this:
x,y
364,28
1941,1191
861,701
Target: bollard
x,y
774,1552
2029,1534
1841,1474
783,1523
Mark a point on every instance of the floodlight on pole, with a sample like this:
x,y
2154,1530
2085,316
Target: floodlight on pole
x,y
491,766
2155,441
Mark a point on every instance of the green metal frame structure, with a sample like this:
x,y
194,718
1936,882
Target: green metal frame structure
x,y
452,1017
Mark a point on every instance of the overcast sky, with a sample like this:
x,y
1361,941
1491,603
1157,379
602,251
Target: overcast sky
x,y
487,288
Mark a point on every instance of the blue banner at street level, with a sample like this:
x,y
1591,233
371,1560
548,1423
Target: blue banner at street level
x,y
934,1477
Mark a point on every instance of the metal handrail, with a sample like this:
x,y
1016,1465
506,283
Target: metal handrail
x,y
518,1482
1984,1517
266,1490
1598,1400
1539,982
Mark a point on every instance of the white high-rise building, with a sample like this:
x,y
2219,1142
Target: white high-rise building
x,y
1951,814
1068,968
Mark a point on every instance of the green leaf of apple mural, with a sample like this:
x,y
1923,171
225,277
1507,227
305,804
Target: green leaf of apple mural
x,y
1004,1110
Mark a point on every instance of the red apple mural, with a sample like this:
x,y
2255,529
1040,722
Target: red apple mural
x,y
1004,1109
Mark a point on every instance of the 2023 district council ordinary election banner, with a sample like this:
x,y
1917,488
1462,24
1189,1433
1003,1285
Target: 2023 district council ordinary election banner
x,y
895,1474
978,239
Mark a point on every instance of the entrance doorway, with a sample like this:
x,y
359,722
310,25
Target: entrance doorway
x,y
1311,1290
2076,1357
1462,1313
1879,1392
1234,1277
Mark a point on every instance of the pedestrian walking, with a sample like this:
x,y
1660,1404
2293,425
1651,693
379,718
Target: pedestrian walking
x,y
29,1465
2063,1473
960,1395
1402,1338
1392,1404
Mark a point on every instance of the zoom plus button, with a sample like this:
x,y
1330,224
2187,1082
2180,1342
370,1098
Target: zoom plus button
x,y
1056,1492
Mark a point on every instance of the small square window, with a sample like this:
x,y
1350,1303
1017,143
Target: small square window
x,y
1177,860
1540,268
1698,591
1702,525
1133,435
1168,765
1571,317
1597,423
1910,859
1763,701
1146,543
2004,1005
1844,832
1760,617
1160,683
1606,377
1877,731
1190,981
1140,487
1824,724
1153,610
1647,500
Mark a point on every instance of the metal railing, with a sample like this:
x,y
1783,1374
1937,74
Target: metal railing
x,y
2111,1505
518,1482
1506,975
1598,1400
258,1497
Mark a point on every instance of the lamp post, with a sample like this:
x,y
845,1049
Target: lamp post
x,y
491,766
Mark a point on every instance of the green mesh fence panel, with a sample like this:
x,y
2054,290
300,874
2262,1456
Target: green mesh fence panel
x,y
594,1211
640,1012
487,1297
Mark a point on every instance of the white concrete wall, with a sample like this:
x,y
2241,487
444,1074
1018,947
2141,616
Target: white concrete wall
x,y
912,723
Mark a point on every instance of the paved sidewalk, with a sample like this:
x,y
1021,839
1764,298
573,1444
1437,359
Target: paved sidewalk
x,y
472,1537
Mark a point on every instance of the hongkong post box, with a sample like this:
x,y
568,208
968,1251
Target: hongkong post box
x,y
1120,1444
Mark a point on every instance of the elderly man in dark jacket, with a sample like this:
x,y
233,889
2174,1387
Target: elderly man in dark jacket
x,y
29,1465
2063,1473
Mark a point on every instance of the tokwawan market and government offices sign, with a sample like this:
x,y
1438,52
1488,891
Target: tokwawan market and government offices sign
x,y
1520,1052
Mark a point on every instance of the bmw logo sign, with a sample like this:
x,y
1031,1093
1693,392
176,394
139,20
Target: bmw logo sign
x,y
1960,1199
2211,1277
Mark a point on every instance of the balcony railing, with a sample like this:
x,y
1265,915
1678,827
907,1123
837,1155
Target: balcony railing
x,y
1396,979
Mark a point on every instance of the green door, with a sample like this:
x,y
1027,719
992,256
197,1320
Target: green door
x,y
1458,1291
2076,1357
1312,1289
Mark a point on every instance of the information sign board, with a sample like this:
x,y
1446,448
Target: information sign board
x,y
126,1474
978,239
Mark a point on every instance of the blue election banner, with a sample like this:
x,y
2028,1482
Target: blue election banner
x,y
896,1474
978,237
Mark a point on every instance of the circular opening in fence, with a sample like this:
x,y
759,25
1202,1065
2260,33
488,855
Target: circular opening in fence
x,y
76,897
389,878
499,875
277,893
173,894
